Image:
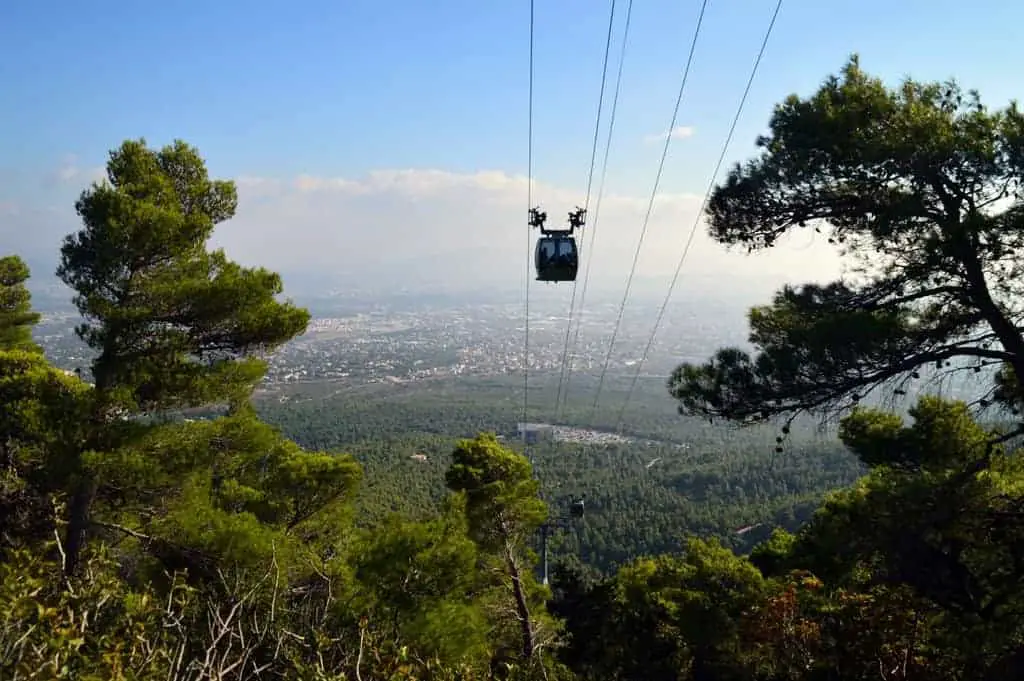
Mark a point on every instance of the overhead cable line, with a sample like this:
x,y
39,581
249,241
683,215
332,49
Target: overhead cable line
x,y
700,213
529,242
586,204
650,205
570,351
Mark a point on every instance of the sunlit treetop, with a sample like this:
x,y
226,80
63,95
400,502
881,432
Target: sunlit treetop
x,y
174,324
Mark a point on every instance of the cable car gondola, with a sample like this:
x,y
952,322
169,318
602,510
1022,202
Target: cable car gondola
x,y
556,257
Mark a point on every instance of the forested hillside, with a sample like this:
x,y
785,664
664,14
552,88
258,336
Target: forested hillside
x,y
139,542
679,476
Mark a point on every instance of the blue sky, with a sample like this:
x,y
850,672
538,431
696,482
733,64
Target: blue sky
x,y
329,87
341,88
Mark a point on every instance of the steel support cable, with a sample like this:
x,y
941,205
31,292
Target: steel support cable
x,y
650,205
570,349
700,213
529,243
586,204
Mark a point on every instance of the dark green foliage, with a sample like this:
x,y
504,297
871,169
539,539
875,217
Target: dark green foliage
x,y
920,186
501,493
669,618
16,315
42,421
916,571
422,577
938,443
710,480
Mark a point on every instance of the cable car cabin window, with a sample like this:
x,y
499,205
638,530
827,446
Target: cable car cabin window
x,y
556,258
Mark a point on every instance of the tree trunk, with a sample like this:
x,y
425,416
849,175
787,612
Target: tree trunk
x,y
78,521
977,288
85,485
522,608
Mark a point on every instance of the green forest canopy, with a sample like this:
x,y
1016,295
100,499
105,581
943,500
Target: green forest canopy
x,y
146,548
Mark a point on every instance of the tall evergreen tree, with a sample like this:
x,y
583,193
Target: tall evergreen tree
x,y
174,325
16,315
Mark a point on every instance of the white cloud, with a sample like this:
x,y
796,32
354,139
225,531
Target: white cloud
x,y
69,170
677,133
438,226
433,228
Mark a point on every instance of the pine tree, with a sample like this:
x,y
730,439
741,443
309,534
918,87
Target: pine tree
x,y
174,325
920,188
16,315
502,511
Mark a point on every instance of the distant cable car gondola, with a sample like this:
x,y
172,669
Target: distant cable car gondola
x,y
556,257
